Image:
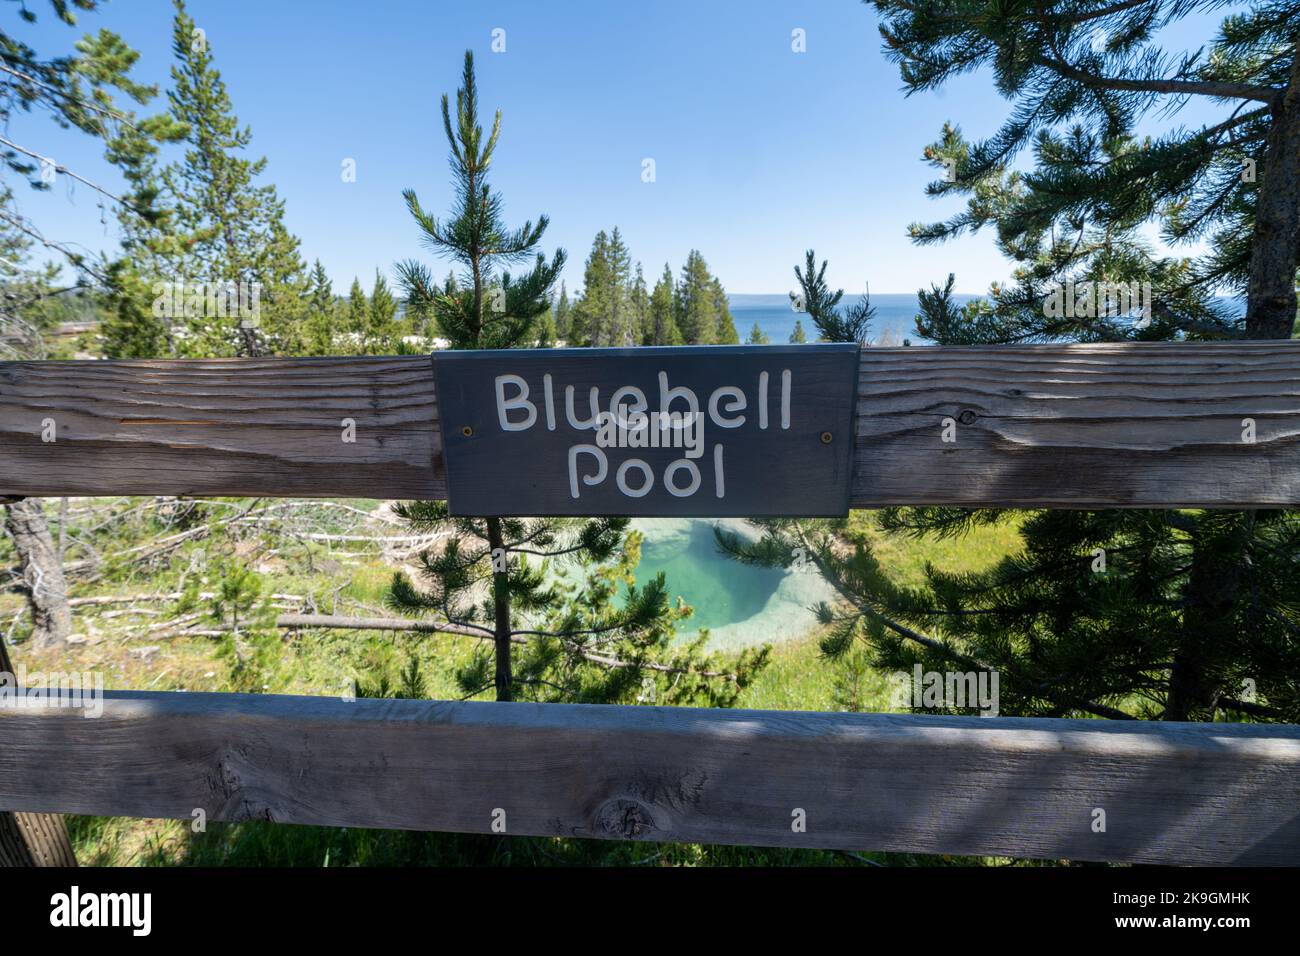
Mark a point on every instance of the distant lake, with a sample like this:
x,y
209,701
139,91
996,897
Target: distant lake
x,y
895,316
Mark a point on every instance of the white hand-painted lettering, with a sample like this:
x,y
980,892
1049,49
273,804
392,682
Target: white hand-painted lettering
x,y
628,421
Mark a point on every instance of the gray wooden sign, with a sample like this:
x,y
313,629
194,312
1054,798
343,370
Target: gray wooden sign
x,y
705,431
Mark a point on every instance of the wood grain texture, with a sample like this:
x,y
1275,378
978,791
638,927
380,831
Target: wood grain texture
x,y
1080,426
1069,426
229,427
1172,793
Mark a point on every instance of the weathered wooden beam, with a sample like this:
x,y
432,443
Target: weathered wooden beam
x,y
272,427
1149,425
1171,793
1070,426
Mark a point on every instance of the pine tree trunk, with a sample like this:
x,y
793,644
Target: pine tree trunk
x,y
501,600
1214,588
1275,246
42,571
35,839
32,839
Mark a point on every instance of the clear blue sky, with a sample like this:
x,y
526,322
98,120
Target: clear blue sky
x,y
760,152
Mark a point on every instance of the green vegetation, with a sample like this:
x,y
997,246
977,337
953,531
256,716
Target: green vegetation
x,y
1158,615
615,310
102,841
1170,615
219,233
211,269
1173,615
1081,84
833,324
241,562
491,576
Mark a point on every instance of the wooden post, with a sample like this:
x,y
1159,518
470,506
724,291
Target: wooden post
x,y
32,839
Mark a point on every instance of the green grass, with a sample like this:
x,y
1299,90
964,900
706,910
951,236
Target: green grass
x,y
906,558
800,678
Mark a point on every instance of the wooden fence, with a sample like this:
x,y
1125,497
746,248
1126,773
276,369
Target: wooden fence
x,y
1072,426
1116,425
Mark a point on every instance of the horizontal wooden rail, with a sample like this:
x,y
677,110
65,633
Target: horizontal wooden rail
x,y
1170,793
232,427
1078,426
1071,426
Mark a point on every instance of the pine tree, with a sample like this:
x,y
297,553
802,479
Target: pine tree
x,y
822,305
1172,615
592,311
228,229
545,331
580,644
383,335
1208,588
593,635
77,91
697,315
662,323
638,299
815,297
357,320
798,337
1084,79
563,315
322,313
619,320
726,326
129,328
757,336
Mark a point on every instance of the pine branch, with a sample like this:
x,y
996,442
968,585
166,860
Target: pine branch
x,y
1215,88
939,647
122,118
